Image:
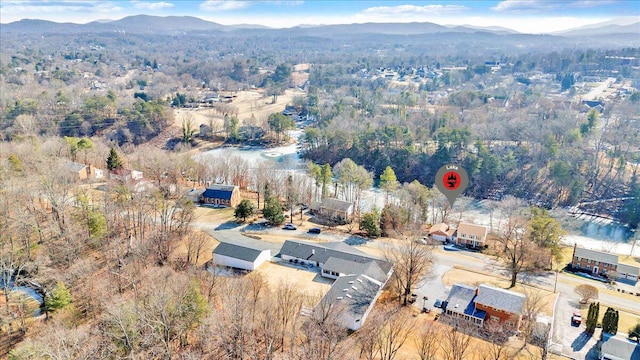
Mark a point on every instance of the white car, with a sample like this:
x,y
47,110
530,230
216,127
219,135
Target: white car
x,y
290,226
451,247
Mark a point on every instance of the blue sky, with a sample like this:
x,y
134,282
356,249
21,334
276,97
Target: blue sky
x,y
530,16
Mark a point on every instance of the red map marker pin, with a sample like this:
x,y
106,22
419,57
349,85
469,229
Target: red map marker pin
x,y
452,180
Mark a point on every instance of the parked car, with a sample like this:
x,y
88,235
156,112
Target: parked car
x,y
438,303
451,247
290,226
576,318
315,231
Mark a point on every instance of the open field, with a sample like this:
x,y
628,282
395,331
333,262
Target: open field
x,y
245,104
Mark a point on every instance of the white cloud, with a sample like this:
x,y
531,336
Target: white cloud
x,y
224,5
63,10
525,5
589,3
412,10
152,5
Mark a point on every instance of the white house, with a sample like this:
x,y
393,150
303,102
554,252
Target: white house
x,y
239,257
350,299
471,235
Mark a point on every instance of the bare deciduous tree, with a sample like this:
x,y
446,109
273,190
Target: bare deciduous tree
x,y
386,330
411,263
196,241
456,340
427,341
586,292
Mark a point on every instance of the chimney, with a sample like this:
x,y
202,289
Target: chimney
x,y
477,291
313,251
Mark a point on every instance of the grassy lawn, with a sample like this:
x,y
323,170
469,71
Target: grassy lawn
x,y
625,322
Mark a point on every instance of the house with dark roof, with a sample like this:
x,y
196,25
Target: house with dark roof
x,y
359,277
603,264
484,304
239,257
619,348
221,195
335,259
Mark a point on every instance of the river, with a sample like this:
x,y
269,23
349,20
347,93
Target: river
x,y
611,237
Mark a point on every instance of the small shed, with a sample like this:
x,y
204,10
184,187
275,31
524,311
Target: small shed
x,y
239,257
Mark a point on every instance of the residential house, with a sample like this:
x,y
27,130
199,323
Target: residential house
x,y
603,264
221,195
335,259
239,257
333,209
126,175
359,278
78,170
85,172
469,235
619,348
441,232
484,304
349,300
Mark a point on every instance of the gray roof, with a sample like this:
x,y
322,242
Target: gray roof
x,y
596,255
335,204
500,299
218,191
321,252
461,301
238,252
75,167
350,267
621,348
628,269
352,294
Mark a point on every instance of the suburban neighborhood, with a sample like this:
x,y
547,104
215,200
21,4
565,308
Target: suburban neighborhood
x,y
320,180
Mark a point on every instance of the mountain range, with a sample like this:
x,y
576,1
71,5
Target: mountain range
x,y
172,25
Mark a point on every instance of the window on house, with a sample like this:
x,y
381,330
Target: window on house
x,y
495,318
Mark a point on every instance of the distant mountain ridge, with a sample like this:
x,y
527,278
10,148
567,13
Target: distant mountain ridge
x,y
186,24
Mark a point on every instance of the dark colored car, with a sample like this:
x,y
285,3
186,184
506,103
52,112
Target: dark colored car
x,y
315,231
438,303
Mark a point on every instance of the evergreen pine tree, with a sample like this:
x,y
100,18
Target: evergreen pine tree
x,y
592,317
113,161
610,322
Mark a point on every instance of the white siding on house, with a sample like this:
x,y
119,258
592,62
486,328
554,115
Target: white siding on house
x,y
224,260
439,237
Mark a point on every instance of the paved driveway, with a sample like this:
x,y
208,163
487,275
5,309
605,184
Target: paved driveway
x,y
570,340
